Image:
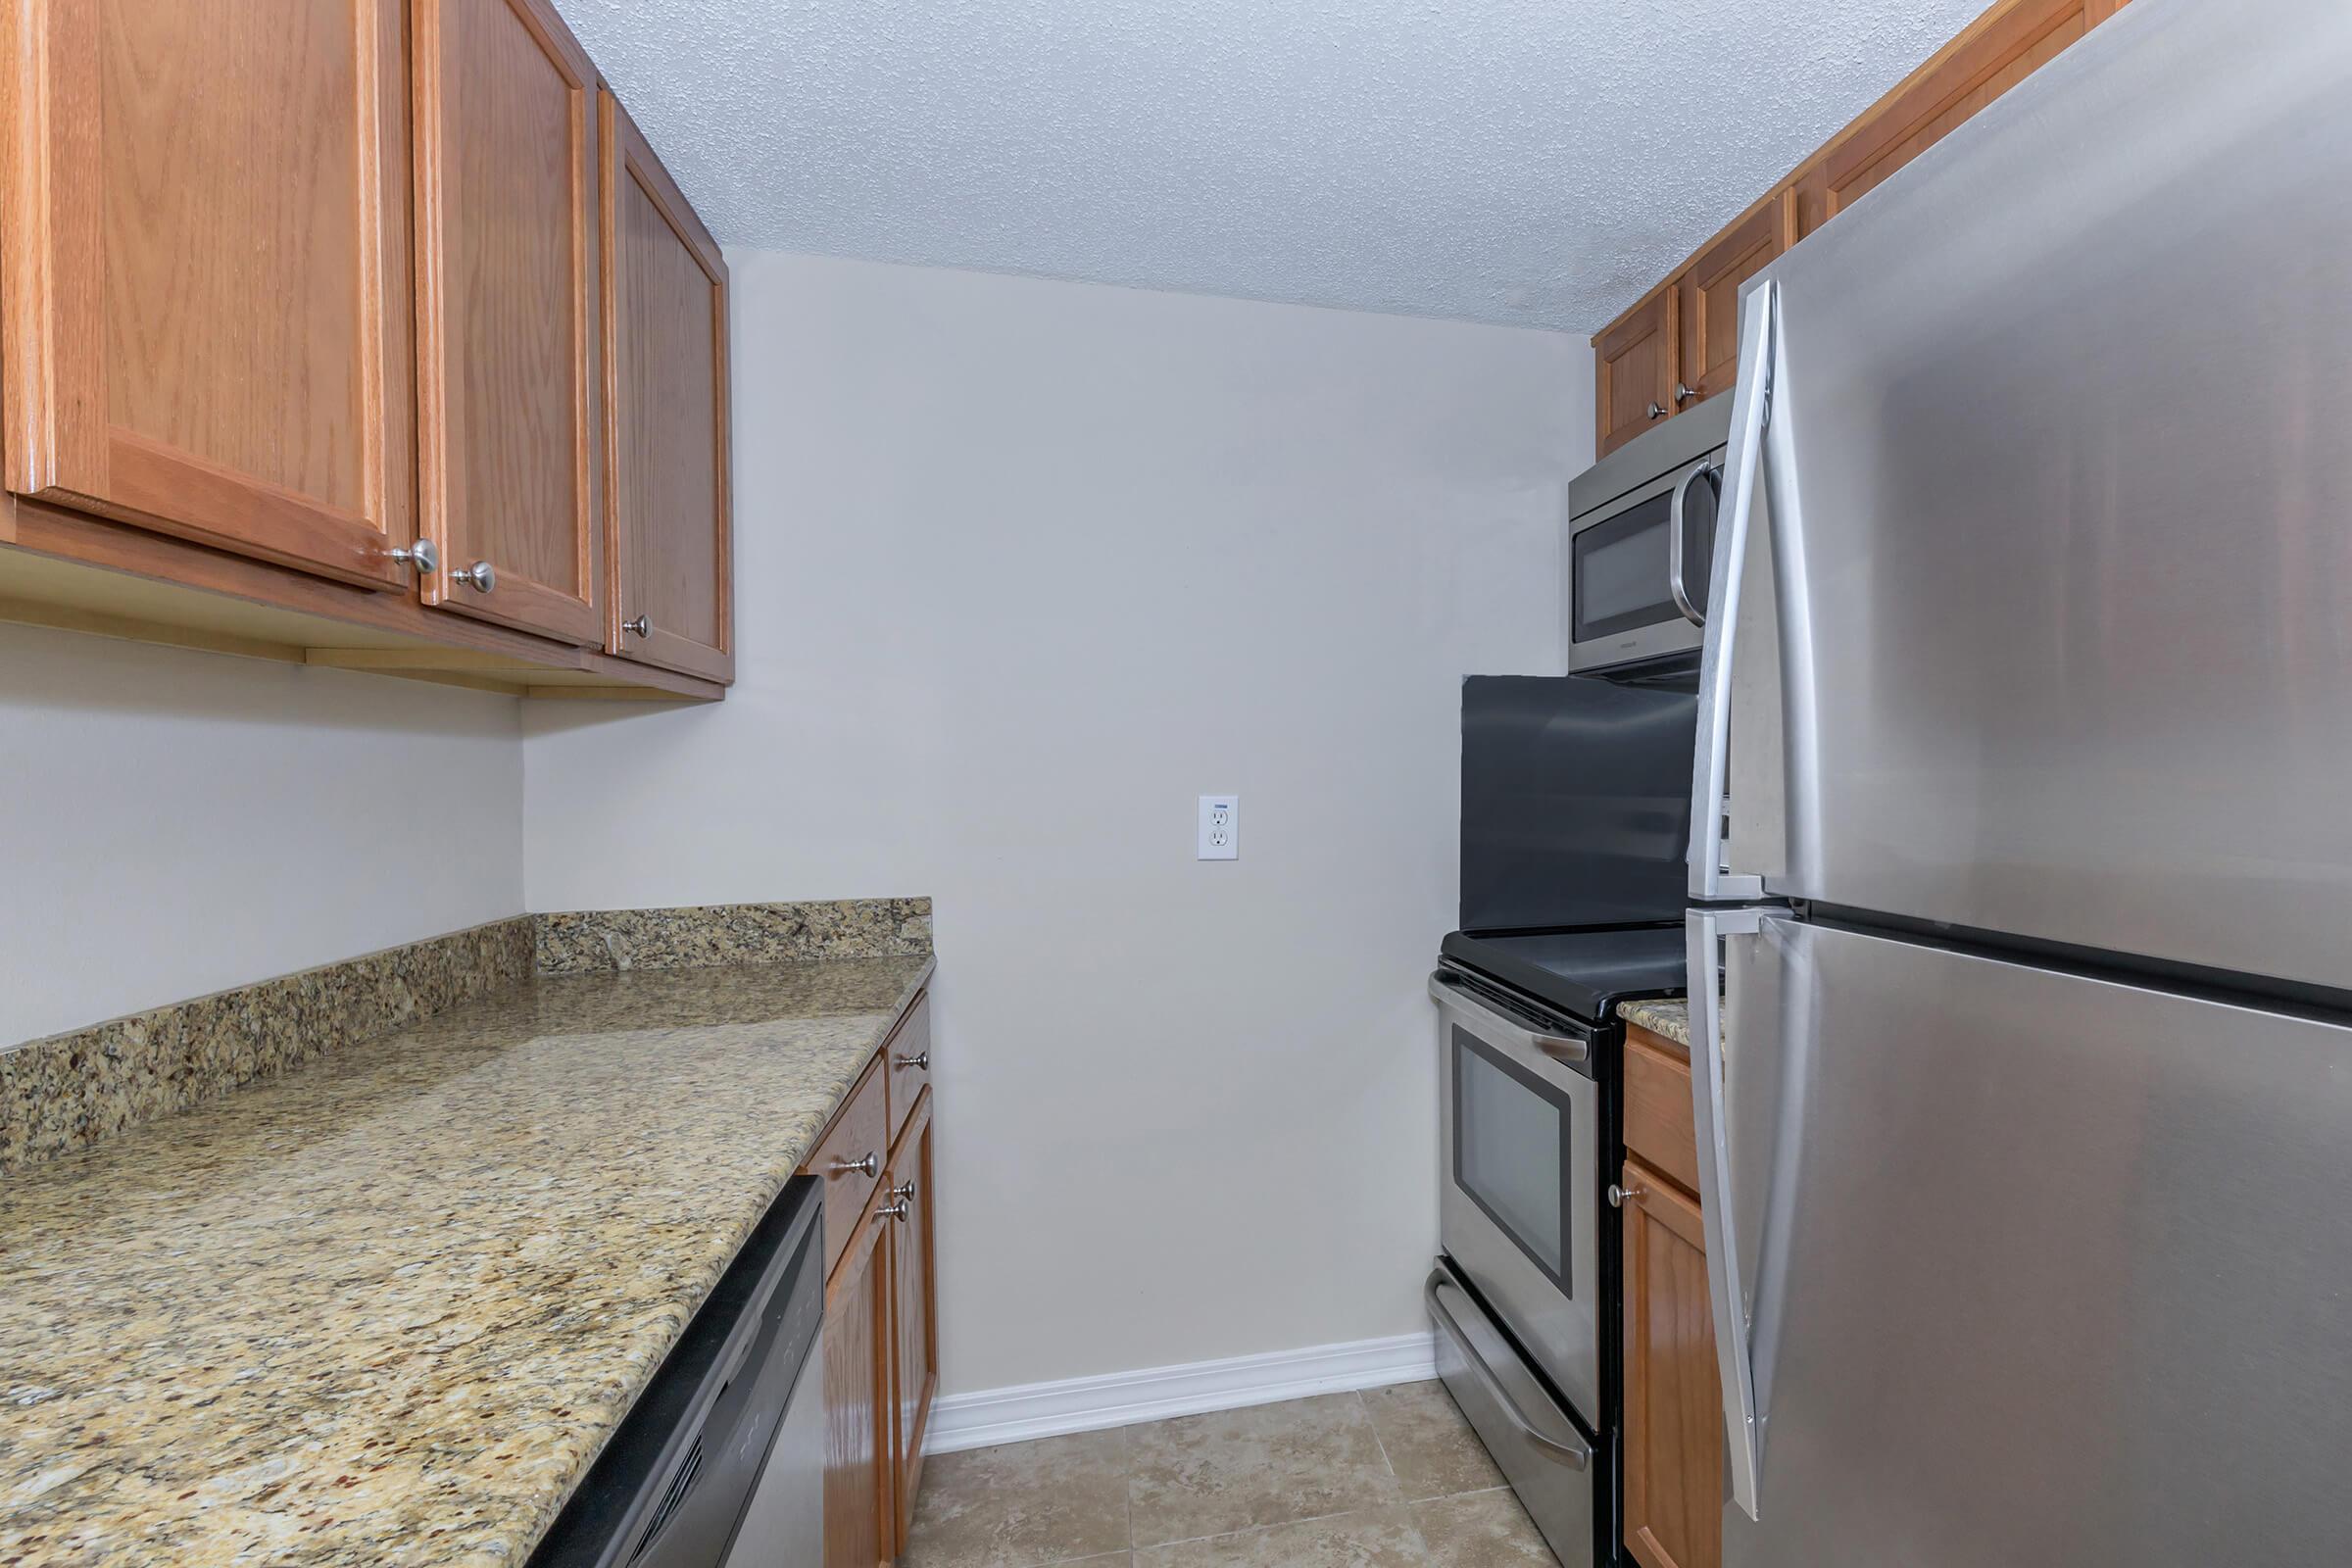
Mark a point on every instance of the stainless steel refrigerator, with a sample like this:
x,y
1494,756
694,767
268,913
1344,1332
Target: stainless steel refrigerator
x,y
2022,832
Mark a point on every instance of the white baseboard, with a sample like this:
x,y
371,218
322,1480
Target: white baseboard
x,y
1121,1398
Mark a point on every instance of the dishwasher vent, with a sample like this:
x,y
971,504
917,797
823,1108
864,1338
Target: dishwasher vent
x,y
671,1500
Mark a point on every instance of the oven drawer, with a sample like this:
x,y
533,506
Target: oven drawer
x,y
1547,1457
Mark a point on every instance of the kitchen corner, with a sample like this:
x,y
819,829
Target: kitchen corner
x,y
388,1305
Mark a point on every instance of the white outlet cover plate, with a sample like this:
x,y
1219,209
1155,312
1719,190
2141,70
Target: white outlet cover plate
x,y
1220,827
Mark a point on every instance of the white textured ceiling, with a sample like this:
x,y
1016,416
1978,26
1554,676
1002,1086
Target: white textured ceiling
x,y
1534,162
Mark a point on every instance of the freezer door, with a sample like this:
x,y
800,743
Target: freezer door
x,y
2035,1269
2062,513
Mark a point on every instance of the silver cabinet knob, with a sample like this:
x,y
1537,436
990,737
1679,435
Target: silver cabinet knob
x,y
896,1210
481,576
1657,411
639,627
1684,393
870,1165
1619,1197
921,1064
904,1192
421,555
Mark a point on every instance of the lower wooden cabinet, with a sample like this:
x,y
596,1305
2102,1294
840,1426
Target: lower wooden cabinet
x,y
916,1332
1672,1409
881,1316
1673,1495
859,1458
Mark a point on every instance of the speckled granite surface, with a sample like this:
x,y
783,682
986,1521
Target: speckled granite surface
x,y
72,1090
385,1308
591,940
1669,1018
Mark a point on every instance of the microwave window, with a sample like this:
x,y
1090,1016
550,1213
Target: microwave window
x,y
1620,572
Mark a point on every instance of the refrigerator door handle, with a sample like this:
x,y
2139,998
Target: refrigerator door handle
x,y
1735,1360
1744,462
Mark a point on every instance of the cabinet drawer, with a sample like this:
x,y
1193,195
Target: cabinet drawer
x,y
849,1157
1658,1123
906,1058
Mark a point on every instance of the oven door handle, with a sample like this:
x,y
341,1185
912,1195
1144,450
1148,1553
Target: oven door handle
x,y
1448,991
1574,1452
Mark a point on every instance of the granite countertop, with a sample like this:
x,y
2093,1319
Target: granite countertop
x,y
387,1307
1668,1017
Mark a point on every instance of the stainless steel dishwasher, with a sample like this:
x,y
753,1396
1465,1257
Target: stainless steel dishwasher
x,y
721,1461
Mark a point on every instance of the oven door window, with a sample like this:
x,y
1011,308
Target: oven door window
x,y
1510,1153
1619,572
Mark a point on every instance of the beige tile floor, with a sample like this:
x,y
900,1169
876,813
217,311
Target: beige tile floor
x,y
1390,1478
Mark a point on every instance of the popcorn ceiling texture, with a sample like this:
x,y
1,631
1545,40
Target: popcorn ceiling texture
x,y
1537,163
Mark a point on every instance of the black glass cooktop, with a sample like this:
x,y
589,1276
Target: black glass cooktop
x,y
1585,974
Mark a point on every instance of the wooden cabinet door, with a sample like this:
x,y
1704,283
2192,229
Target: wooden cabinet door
x,y
916,1332
861,1525
505,117
666,416
1635,362
1672,1409
1709,303
1994,53
205,280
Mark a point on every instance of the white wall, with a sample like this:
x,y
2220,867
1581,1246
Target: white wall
x,y
172,823
1023,567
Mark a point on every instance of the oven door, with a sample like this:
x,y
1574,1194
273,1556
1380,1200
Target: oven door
x,y
1638,572
1519,1204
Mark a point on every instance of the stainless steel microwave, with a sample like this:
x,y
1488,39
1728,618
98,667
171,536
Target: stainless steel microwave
x,y
1640,540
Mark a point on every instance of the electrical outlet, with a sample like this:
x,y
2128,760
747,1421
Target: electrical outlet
x,y
1220,827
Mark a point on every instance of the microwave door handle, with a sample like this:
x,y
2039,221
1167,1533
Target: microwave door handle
x,y
1676,583
1752,405
1727,1294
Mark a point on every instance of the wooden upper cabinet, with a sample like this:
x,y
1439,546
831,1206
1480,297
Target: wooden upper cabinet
x,y
1637,359
1994,53
506,263
206,273
1709,291
1673,1404
666,436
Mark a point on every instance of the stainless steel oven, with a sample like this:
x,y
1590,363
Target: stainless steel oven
x,y
1517,1299
1640,538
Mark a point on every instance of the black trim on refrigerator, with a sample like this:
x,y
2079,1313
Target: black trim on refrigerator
x,y
2257,993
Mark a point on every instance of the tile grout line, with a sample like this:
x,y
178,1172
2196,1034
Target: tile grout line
x,y
1379,1441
